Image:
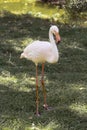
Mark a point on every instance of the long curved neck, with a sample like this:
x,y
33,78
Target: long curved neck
x,y
51,38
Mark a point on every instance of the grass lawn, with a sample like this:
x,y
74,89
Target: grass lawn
x,y
66,81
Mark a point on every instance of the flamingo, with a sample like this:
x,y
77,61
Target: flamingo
x,y
41,52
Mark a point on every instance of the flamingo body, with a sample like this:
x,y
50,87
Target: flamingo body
x,y
40,52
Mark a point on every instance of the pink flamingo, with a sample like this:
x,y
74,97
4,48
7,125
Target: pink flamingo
x,y
41,52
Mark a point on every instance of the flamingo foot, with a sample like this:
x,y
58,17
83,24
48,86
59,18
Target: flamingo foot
x,y
37,114
46,107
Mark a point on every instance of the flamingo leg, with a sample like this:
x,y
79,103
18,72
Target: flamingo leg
x,y
43,87
37,95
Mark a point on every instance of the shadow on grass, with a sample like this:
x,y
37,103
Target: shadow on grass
x,y
19,26
68,77
13,102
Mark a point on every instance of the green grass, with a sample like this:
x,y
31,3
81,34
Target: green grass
x,y
35,8
66,81
39,9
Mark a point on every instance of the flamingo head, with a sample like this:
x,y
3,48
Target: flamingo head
x,y
55,31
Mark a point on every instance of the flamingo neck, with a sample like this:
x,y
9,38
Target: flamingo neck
x,y
51,38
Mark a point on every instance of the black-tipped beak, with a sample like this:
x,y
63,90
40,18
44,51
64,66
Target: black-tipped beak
x,y
58,38
58,42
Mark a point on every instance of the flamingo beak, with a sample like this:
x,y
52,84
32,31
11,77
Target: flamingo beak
x,y
58,38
